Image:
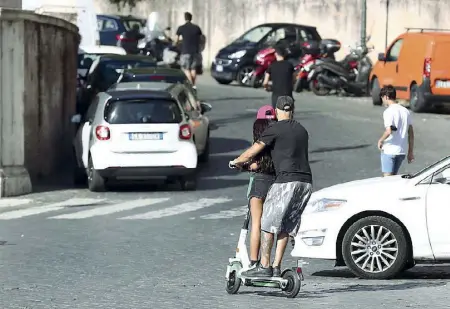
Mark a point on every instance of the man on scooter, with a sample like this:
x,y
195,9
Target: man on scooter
x,y
289,194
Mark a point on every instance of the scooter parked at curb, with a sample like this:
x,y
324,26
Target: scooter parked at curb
x,y
289,282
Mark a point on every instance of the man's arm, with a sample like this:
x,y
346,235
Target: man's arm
x,y
388,122
267,139
250,153
410,143
267,77
178,34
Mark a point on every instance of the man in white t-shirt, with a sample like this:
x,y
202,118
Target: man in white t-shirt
x,y
397,141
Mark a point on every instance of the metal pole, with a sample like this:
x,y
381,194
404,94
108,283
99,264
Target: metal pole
x,y
387,25
363,22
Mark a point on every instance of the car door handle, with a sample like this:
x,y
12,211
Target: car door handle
x,y
411,198
396,68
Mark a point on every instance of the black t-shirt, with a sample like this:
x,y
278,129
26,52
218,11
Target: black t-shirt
x,y
281,73
191,35
288,141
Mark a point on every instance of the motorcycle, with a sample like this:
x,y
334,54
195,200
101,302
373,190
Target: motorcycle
x,y
349,76
263,60
313,53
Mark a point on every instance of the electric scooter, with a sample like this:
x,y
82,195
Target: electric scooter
x,y
289,282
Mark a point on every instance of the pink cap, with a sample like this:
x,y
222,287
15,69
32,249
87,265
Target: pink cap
x,y
266,112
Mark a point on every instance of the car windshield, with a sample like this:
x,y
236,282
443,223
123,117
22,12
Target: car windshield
x,y
143,111
429,167
154,78
129,23
84,60
254,35
111,69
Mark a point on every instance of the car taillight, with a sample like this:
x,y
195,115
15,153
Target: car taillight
x,y
120,37
427,67
102,133
157,77
185,131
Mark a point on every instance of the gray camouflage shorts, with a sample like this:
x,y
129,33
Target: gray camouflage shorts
x,y
283,207
190,62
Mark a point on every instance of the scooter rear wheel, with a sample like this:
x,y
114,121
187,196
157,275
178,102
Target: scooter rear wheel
x,y
233,283
294,283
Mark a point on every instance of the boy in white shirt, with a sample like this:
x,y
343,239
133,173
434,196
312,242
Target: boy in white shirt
x,y
397,141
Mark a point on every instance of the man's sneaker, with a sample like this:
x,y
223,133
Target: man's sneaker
x,y
258,271
276,271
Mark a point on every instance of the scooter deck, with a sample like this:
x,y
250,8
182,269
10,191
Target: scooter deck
x,y
274,282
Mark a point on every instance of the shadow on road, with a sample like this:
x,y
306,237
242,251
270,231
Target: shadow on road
x,y
416,273
245,98
224,145
330,149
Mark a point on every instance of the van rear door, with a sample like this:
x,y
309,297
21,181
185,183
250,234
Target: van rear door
x,y
440,66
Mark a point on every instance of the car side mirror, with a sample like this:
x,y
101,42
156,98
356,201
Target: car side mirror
x,y
381,57
205,107
76,118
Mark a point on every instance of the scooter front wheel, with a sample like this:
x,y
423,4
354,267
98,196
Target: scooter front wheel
x,y
233,283
256,81
315,87
294,283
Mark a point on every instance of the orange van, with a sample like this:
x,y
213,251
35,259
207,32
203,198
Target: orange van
x,y
417,64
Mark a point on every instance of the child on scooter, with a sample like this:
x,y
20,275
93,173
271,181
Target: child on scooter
x,y
260,181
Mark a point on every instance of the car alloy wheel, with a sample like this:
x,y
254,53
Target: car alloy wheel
x,y
374,249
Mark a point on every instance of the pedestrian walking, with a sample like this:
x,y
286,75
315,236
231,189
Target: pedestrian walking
x,y
282,74
191,40
397,141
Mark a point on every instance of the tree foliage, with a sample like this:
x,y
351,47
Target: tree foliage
x,y
122,3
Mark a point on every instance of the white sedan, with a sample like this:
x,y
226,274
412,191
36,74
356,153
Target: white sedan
x,y
379,227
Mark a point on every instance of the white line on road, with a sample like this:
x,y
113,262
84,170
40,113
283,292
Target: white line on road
x,y
107,210
16,214
12,202
179,209
227,214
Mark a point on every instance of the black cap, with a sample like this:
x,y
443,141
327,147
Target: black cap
x,y
285,103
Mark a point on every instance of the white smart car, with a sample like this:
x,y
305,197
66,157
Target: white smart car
x,y
380,227
136,134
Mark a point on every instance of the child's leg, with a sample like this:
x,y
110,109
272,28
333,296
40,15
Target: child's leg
x,y
256,206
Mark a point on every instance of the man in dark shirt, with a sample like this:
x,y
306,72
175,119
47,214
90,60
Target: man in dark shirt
x,y
282,74
190,57
288,196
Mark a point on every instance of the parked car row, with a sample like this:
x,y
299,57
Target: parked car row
x,y
414,63
137,120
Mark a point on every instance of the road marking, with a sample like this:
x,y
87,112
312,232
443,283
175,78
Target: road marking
x,y
12,202
179,209
16,214
227,214
107,210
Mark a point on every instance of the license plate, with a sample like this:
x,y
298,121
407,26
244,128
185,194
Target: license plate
x,y
310,74
443,84
145,136
219,68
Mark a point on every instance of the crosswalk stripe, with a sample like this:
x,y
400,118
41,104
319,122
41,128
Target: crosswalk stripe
x,y
12,202
107,210
226,214
16,214
179,209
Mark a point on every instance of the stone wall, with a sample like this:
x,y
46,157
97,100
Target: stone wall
x,y
224,20
38,90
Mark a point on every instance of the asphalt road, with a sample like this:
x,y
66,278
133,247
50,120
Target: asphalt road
x,y
155,247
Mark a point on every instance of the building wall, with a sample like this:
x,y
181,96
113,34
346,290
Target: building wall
x,y
224,20
37,97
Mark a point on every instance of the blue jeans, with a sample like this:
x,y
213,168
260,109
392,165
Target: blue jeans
x,y
390,164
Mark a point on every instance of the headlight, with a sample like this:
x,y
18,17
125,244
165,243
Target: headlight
x,y
324,204
237,54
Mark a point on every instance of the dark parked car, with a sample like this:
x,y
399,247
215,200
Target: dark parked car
x,y
236,61
112,26
161,74
105,71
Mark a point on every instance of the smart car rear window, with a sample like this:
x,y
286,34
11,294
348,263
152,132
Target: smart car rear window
x,y
146,111
154,78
